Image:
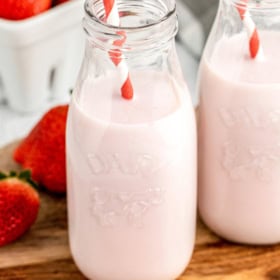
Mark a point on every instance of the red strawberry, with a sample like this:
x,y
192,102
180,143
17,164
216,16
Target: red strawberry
x,y
22,9
43,150
19,205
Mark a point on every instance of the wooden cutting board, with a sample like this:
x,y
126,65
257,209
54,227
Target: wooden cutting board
x,y
43,252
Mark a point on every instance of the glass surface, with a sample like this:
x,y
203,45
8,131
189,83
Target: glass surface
x,y
131,164
239,124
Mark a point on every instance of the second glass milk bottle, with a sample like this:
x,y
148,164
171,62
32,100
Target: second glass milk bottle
x,y
239,123
131,160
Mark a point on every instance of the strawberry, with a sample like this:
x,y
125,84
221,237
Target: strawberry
x,y
43,150
19,205
22,9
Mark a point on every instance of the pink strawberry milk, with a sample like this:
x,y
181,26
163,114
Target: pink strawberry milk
x,y
239,126
131,162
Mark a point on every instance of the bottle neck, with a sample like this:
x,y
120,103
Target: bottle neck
x,y
145,26
246,18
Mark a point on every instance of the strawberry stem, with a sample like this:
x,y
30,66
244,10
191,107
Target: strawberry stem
x,y
24,176
3,176
12,174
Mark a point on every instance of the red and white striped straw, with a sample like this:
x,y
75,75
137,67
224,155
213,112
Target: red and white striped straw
x,y
253,34
113,18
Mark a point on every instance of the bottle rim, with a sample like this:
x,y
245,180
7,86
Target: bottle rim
x,y
90,14
150,29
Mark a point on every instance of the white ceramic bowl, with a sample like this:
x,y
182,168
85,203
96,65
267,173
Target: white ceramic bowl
x,y
40,56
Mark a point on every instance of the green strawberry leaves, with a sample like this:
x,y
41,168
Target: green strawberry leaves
x,y
24,176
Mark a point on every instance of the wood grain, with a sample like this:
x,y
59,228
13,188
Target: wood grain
x,y
43,252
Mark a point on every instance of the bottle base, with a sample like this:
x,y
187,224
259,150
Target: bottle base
x,y
229,235
90,274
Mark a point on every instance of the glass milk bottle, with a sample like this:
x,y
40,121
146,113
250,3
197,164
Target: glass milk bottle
x,y
131,160
239,123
